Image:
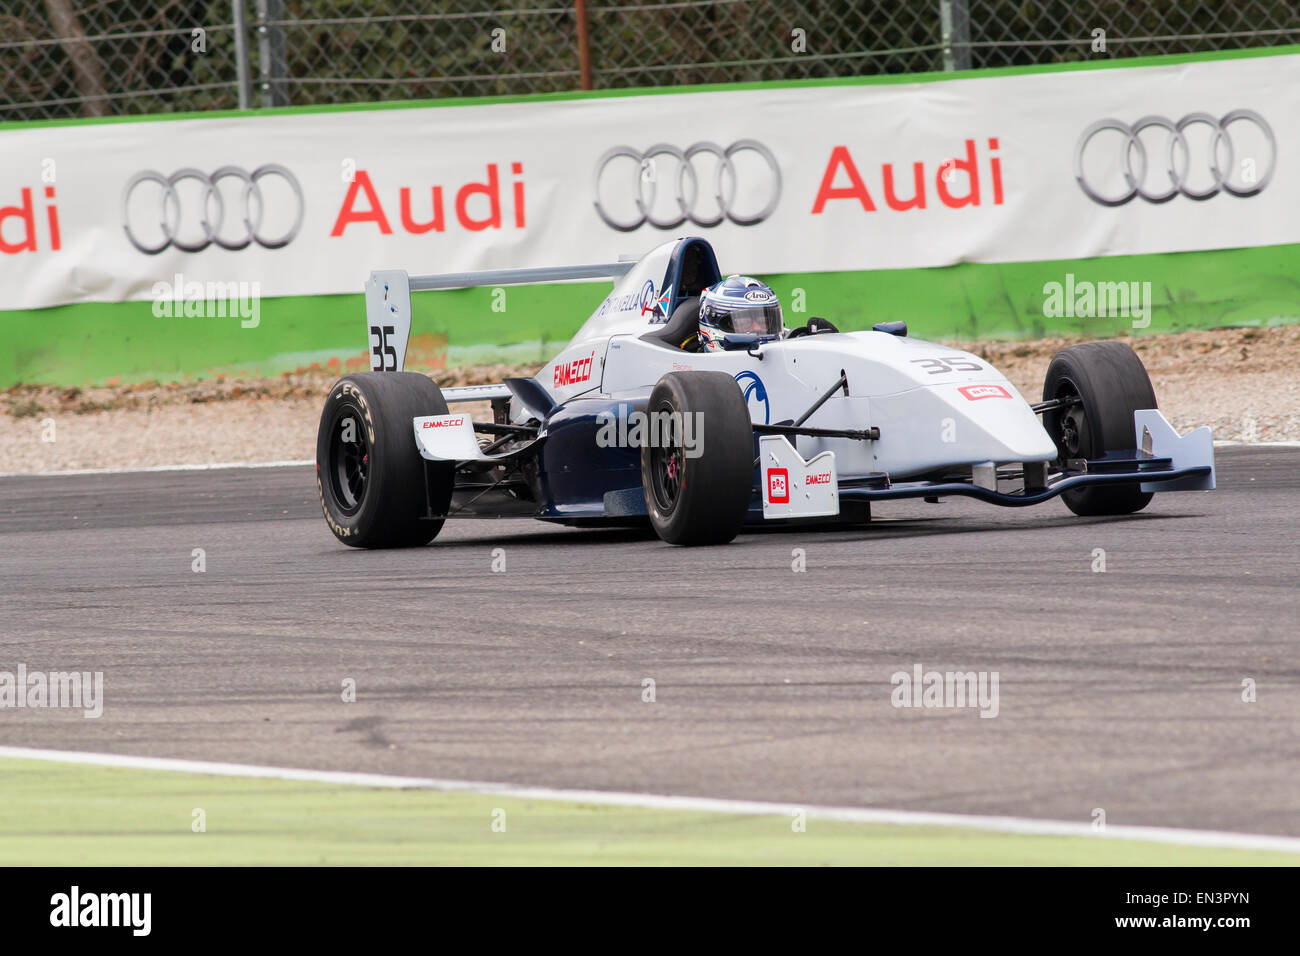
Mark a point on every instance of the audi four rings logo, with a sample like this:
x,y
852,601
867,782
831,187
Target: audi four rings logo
x,y
643,184
1178,151
210,211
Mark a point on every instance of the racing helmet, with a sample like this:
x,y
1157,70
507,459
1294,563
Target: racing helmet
x,y
738,305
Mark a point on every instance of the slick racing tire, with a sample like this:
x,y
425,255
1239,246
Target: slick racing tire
x,y
700,495
375,488
1111,384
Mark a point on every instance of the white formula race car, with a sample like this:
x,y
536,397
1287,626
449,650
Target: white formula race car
x,y
627,425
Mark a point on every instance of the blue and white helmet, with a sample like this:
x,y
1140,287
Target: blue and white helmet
x,y
738,305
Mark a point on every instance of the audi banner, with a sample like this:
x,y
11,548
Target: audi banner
x,y
859,176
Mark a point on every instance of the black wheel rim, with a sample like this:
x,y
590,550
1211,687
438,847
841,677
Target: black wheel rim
x,y
666,471
1069,426
349,461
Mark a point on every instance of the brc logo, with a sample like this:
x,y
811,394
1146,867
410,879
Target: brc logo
x,y
444,422
575,372
974,393
819,479
778,486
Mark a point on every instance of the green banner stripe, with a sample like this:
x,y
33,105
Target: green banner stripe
x,y
97,342
1189,291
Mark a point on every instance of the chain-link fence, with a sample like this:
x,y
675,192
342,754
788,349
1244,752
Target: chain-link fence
x,y
61,58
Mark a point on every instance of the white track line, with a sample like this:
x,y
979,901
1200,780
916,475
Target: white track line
x,y
650,801
152,468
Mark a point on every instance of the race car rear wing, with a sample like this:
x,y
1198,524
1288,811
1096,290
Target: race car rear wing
x,y
388,302
526,390
476,393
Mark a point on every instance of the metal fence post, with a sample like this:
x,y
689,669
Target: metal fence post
x,y
241,54
270,53
584,42
954,27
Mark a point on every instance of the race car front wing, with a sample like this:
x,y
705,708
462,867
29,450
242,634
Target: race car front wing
x,y
1164,461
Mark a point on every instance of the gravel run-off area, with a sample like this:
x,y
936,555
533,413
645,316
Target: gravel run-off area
x,y
1243,383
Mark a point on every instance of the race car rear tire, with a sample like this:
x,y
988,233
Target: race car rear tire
x,y
700,499
374,486
1111,383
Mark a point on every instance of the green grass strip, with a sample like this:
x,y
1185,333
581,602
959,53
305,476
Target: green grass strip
x,y
73,815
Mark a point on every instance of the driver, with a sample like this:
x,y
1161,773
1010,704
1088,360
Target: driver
x,y
744,306
738,306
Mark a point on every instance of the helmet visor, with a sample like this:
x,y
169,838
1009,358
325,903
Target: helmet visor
x,y
749,317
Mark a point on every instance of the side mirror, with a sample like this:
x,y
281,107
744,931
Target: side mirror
x,y
737,343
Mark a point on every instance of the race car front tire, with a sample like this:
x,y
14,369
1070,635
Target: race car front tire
x,y
1110,383
698,495
375,488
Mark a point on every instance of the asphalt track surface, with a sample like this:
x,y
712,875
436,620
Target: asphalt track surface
x,y
1119,690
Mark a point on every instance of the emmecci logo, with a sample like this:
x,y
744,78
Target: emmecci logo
x,y
445,422
819,479
575,372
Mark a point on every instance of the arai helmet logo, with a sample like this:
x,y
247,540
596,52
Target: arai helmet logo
x,y
752,387
758,295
